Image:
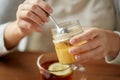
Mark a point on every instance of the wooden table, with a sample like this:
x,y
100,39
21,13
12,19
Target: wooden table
x,y
22,66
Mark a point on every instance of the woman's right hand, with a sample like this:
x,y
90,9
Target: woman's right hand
x,y
31,15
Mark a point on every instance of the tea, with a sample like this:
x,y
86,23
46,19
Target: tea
x,y
51,69
58,74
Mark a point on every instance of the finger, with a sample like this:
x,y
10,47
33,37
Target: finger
x,y
90,45
86,35
36,10
23,26
28,26
28,14
42,4
34,26
88,55
45,6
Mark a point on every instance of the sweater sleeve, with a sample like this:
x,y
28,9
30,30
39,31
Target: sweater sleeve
x,y
116,60
3,51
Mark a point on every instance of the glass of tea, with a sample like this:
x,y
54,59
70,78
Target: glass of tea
x,y
51,69
61,40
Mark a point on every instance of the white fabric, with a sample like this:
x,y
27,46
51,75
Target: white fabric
x,y
8,14
2,46
110,59
3,49
23,44
117,6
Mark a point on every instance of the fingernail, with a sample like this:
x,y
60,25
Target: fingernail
x,y
71,50
72,41
77,57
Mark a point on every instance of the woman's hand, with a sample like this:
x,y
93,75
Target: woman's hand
x,y
31,15
100,43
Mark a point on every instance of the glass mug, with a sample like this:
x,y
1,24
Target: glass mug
x,y
61,41
70,72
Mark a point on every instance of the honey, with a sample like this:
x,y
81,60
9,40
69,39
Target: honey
x,y
61,41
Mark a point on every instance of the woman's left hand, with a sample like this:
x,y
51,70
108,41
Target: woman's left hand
x,y
100,42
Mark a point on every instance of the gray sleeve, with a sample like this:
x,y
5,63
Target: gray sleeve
x,y
23,44
3,51
109,59
116,60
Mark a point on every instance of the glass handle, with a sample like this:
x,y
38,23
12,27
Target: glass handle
x,y
79,69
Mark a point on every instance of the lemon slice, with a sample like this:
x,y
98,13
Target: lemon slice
x,y
60,69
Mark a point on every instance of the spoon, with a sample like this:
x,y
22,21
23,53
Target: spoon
x,y
59,30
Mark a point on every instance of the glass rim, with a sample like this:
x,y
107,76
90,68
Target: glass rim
x,y
73,66
67,22
73,26
46,70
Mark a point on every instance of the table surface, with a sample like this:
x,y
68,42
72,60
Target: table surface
x,y
22,66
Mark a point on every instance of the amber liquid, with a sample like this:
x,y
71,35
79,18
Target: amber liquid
x,y
52,76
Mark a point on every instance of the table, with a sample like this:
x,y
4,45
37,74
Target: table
x,y
22,66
